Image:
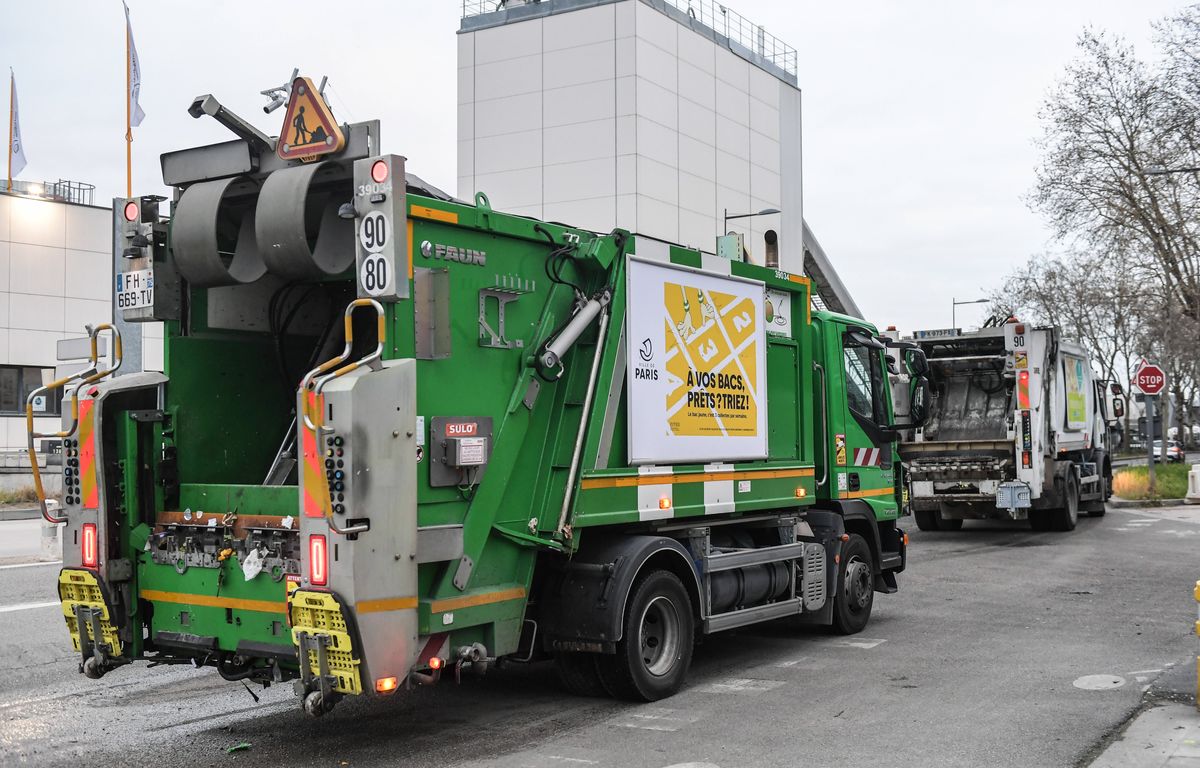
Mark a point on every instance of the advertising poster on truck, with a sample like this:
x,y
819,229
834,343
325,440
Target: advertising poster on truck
x,y
697,347
1076,389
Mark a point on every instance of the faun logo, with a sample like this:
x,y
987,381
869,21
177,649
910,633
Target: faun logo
x,y
453,253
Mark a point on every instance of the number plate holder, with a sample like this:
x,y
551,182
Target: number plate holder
x,y
134,290
382,260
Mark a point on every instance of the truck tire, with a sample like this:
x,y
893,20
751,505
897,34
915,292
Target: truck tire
x,y
578,674
855,588
1064,518
932,520
655,651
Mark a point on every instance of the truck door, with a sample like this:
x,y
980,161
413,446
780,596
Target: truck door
x,y
862,450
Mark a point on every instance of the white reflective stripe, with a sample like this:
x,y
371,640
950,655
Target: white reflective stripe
x,y
718,497
655,250
718,467
711,263
649,498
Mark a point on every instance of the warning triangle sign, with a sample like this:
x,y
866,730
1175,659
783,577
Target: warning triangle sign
x,y
309,129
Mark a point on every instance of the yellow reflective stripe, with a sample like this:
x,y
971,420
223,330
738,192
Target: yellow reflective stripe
x,y
425,212
469,601
872,492
211,601
386,604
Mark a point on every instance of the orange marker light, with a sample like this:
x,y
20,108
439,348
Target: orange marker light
x,y
906,539
801,492
664,502
386,684
379,171
88,546
435,663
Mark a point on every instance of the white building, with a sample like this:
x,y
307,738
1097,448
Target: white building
x,y
658,117
56,276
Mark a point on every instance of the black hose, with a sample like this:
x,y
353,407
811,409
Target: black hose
x,y
245,672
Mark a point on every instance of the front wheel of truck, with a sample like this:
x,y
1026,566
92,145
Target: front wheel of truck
x,y
856,587
655,651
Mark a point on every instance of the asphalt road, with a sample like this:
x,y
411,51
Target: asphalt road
x,y
1003,647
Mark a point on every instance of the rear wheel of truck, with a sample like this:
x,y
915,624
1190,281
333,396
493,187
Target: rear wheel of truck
x,y
655,652
578,673
1064,518
932,520
856,587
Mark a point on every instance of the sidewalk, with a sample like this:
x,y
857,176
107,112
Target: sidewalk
x,y
1167,735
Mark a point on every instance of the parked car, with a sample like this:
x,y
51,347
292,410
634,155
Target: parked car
x,y
1175,453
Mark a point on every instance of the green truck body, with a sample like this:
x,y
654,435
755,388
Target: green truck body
x,y
477,487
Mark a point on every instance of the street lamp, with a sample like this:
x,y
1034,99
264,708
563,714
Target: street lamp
x,y
1158,170
763,212
955,304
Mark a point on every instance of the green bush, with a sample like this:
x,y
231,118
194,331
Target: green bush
x,y
1170,482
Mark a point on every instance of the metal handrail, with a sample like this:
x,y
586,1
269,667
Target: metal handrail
x,y
824,425
312,416
89,375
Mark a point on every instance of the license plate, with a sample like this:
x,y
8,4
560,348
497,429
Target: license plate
x,y
135,289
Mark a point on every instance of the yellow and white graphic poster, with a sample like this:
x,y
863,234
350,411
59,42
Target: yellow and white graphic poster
x,y
1076,386
697,347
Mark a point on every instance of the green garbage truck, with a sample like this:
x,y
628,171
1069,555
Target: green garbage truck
x,y
399,435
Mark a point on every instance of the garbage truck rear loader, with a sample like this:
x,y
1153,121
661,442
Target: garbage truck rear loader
x,y
400,435
1017,428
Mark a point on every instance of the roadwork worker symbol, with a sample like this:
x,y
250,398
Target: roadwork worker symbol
x,y
309,128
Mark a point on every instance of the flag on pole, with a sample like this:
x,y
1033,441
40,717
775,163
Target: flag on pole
x,y
16,147
135,76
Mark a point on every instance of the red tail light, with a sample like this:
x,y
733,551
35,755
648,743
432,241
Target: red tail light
x,y
318,560
88,546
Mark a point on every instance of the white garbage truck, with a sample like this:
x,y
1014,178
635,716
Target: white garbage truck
x,y
1017,429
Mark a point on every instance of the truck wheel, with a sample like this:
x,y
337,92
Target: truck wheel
x,y
927,519
653,656
856,587
578,674
1065,518
932,520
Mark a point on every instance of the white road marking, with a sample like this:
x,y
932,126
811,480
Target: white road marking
x,y
1145,671
741,685
661,719
794,662
579,760
30,565
26,606
863,642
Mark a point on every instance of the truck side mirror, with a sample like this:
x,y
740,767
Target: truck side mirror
x,y
1119,407
915,358
918,404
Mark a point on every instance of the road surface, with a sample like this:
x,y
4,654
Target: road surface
x,y
1003,647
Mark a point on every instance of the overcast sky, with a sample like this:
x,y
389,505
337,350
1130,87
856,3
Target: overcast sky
x,y
919,116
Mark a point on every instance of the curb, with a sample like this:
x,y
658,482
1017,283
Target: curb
x,y
1117,503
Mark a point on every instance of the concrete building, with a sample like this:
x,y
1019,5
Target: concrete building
x,y
658,116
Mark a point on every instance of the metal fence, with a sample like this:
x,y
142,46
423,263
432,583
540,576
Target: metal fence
x,y
724,21
62,190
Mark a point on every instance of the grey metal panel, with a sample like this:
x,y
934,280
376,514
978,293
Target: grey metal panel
x,y
234,158
753,615
431,313
439,543
727,561
198,216
375,573
285,232
215,161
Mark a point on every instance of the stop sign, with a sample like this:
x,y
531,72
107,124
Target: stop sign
x,y
1150,379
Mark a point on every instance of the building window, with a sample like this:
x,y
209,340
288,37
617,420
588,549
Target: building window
x,y
17,381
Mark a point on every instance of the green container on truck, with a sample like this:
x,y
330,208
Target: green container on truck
x,y
399,435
